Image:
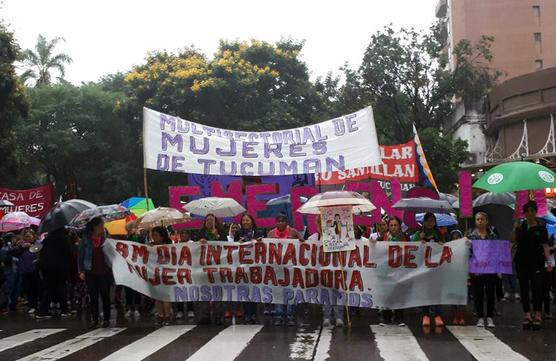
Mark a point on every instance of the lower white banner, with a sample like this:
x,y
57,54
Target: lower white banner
x,y
373,275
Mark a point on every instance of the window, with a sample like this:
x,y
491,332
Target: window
x,y
537,37
538,64
537,13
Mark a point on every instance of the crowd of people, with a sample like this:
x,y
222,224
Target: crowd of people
x,y
67,273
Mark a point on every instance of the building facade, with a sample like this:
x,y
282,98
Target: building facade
x,y
524,50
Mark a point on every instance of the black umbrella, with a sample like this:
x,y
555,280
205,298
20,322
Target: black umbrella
x,y
62,214
504,199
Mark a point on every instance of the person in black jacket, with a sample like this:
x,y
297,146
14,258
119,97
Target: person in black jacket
x,y
54,269
531,259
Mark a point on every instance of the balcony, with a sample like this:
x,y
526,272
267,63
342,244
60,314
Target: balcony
x,y
441,8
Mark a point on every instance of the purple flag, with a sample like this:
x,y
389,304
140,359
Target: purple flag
x,y
491,256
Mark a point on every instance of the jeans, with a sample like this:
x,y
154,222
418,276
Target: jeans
x,y
484,284
250,309
30,285
285,311
54,290
510,283
547,286
431,311
132,299
99,285
531,280
338,312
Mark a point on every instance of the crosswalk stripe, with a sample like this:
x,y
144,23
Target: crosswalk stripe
x,y
303,347
228,344
28,336
73,345
484,345
323,347
396,343
149,344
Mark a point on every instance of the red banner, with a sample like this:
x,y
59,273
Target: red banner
x,y
399,161
35,202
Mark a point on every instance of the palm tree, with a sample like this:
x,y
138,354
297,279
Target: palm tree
x,y
41,61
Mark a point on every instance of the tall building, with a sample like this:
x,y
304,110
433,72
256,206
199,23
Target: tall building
x,y
516,120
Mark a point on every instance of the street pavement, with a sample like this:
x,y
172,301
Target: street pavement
x,y
24,338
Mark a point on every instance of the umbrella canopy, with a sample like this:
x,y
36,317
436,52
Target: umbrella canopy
x,y
118,228
62,214
504,199
220,207
138,205
17,220
516,176
161,217
4,203
337,198
107,213
423,205
442,219
447,197
284,200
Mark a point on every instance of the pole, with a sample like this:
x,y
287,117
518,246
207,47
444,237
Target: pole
x,y
146,186
345,288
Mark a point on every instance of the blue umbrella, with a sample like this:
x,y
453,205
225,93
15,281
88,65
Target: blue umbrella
x,y
442,219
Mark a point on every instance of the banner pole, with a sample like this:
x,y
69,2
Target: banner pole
x,y
146,186
345,288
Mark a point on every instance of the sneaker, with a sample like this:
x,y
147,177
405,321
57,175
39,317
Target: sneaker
x,y
438,321
517,296
401,324
105,324
548,316
326,322
506,296
339,322
190,314
291,322
461,321
481,322
128,314
92,325
239,314
426,321
277,322
179,315
227,314
490,322
65,314
137,314
42,317
31,311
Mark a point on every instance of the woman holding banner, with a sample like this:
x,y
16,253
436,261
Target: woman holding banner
x,y
94,270
483,283
531,259
395,234
210,231
430,233
247,233
163,309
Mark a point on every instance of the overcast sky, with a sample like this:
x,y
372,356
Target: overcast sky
x,y
104,37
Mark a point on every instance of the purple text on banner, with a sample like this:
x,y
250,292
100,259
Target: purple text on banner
x,y
490,256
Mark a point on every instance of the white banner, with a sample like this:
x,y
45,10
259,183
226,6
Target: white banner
x,y
377,275
173,144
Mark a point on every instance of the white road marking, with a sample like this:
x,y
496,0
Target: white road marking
x,y
73,345
149,344
396,343
28,336
325,341
483,345
303,347
228,344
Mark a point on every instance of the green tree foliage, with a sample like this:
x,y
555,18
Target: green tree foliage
x,y
73,135
13,106
43,60
406,77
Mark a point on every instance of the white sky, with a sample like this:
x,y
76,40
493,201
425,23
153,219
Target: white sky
x,y
104,37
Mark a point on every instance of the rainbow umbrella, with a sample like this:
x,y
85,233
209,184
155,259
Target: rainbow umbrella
x,y
117,228
17,220
138,205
